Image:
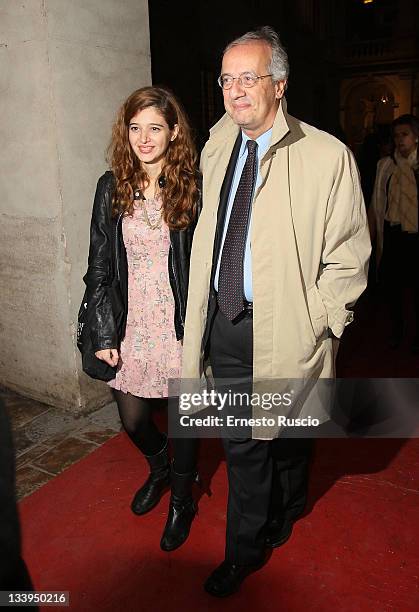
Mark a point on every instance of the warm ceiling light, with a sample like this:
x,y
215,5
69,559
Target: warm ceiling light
x,y
368,1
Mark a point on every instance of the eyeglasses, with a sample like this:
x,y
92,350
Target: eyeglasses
x,y
247,79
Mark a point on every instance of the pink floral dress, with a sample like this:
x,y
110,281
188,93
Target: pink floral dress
x,y
150,353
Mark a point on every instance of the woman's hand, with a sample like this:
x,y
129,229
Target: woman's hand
x,y
109,356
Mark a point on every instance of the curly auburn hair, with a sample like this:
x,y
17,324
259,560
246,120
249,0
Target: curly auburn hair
x,y
180,193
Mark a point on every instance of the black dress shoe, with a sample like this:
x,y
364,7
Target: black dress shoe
x,y
279,533
227,578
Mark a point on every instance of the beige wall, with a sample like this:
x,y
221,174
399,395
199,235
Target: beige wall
x,y
64,69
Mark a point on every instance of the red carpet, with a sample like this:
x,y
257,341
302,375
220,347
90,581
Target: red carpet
x,y
355,550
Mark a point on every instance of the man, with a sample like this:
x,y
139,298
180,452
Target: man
x,y
279,255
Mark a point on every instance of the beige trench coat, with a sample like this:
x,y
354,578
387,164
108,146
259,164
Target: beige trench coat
x,y
310,248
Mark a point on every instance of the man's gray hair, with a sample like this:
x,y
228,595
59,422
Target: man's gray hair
x,y
279,67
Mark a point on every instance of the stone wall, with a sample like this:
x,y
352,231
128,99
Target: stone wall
x,y
65,67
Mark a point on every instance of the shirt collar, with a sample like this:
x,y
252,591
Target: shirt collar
x,y
263,143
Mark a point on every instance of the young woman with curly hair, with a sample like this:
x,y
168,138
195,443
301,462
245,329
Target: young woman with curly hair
x,y
144,214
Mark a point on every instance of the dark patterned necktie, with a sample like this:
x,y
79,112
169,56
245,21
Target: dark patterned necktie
x,y
230,280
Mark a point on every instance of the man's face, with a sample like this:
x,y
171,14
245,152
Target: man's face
x,y
253,108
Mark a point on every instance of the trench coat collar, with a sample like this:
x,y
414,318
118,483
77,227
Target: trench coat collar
x,y
226,129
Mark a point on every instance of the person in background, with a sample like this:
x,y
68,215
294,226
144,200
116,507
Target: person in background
x,y
393,219
14,575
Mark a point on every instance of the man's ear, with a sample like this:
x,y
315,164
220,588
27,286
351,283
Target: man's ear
x,y
280,89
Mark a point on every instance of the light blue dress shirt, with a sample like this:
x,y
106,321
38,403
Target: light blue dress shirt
x,y
263,145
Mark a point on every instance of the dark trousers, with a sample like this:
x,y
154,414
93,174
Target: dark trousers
x,y
398,272
291,458
267,479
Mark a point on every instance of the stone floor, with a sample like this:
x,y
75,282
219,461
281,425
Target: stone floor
x,y
48,440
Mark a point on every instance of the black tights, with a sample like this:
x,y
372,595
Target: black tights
x,y
136,416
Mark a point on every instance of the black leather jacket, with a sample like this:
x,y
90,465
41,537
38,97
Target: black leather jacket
x,y
107,254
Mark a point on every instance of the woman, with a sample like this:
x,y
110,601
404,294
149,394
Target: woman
x,y
393,218
145,211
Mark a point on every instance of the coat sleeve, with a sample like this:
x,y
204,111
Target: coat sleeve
x,y
97,278
346,246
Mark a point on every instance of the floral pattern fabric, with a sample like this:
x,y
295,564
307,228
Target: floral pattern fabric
x,y
150,353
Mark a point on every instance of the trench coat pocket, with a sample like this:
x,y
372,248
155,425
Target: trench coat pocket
x,y
317,312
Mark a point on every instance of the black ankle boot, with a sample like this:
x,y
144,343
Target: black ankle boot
x,y
182,510
150,493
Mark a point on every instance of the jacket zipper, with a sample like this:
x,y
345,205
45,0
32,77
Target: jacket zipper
x,y
177,288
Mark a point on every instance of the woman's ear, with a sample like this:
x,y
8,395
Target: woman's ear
x,y
175,132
